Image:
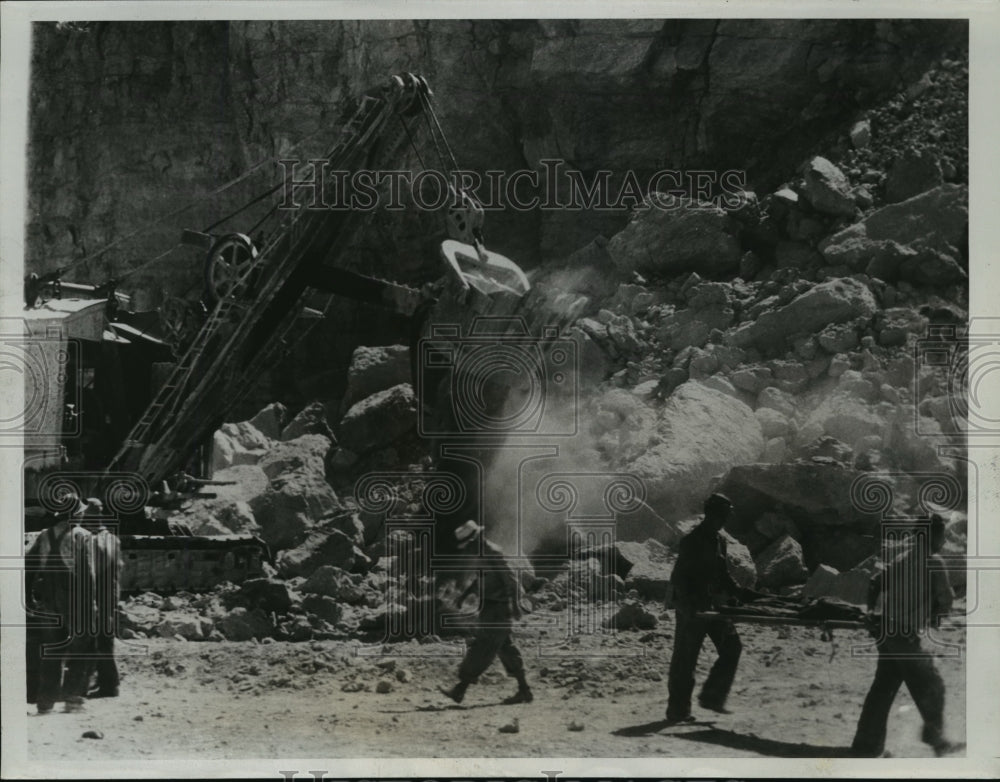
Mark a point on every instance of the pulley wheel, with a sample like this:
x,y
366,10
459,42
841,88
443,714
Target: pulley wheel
x,y
228,267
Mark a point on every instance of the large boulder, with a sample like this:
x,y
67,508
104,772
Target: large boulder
x,y
847,419
920,240
298,495
772,423
269,594
693,236
235,519
836,524
740,562
374,369
241,624
699,433
136,616
311,419
827,188
335,582
292,506
834,301
621,424
781,563
771,398
851,587
321,547
230,511
771,526
821,490
271,420
326,608
379,419
645,567
238,443
187,626
303,454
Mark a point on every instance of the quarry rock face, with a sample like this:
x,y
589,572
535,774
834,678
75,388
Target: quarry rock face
x,y
203,96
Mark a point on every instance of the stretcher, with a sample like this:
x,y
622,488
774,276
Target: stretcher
x,y
760,619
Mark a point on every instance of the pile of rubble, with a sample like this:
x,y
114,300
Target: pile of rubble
x,y
749,334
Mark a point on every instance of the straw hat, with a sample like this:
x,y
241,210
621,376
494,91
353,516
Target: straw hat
x,y
466,533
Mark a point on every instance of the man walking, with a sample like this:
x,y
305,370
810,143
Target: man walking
x,y
700,582
915,593
59,584
107,571
499,591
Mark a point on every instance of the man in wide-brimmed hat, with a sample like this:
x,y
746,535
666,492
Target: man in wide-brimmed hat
x,y
498,588
60,587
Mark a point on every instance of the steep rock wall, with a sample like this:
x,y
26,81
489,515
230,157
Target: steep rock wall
x,y
130,121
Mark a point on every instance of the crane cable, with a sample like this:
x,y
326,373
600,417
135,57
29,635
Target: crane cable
x,y
429,116
150,262
429,108
180,210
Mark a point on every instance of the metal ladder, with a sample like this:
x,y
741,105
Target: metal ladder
x,y
156,441
168,396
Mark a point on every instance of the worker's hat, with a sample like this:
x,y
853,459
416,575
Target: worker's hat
x,y
73,506
466,533
718,501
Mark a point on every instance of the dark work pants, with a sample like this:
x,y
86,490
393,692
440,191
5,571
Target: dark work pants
x,y
689,636
34,637
901,660
492,640
107,668
55,648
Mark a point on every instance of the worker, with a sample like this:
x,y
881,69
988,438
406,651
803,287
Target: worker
x,y
60,586
915,594
499,590
107,570
700,581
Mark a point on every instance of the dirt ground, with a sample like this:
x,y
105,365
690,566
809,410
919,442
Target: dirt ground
x,y
597,695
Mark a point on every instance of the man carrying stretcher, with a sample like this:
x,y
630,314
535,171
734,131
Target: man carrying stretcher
x,y
701,582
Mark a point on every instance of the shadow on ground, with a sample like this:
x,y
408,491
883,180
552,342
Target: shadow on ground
x,y
709,734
